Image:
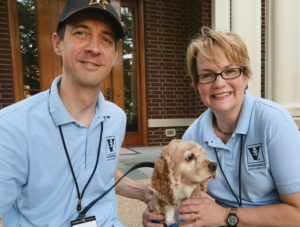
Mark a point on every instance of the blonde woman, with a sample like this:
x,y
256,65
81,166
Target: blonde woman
x,y
254,141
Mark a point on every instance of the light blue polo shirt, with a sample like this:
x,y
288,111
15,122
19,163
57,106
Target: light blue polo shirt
x,y
36,184
270,158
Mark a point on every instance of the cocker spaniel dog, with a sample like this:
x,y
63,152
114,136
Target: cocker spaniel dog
x,y
181,171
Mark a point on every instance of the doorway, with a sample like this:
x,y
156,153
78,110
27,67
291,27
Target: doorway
x,y
125,86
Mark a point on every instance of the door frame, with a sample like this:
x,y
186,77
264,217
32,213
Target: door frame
x,y
141,69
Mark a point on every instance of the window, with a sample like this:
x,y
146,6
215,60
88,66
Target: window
x,y
29,46
130,68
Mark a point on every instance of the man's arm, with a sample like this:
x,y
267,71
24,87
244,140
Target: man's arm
x,y
131,188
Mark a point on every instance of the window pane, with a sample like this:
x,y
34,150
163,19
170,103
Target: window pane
x,y
129,42
129,66
130,101
29,49
130,81
29,54
132,119
127,17
129,60
31,77
131,111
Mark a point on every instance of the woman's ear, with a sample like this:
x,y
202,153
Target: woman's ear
x,y
246,79
56,43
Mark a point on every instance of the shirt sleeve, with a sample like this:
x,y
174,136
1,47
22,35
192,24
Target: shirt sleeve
x,y
186,135
13,166
284,156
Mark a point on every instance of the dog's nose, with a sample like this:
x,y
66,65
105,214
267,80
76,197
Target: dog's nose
x,y
212,166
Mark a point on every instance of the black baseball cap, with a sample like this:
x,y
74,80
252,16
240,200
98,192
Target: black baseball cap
x,y
104,7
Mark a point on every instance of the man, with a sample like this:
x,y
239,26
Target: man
x,y
59,149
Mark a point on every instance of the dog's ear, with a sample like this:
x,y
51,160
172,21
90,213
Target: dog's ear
x,y
162,180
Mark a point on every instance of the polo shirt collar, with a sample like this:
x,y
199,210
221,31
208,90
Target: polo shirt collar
x,y
61,116
245,115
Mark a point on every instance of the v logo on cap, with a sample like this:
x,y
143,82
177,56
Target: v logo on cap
x,y
99,2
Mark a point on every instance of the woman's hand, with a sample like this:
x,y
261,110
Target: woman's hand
x,y
204,210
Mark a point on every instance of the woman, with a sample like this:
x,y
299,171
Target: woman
x,y
254,141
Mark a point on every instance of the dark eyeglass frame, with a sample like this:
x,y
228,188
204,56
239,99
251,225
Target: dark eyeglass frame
x,y
241,69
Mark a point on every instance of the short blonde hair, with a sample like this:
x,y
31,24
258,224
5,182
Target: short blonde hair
x,y
234,47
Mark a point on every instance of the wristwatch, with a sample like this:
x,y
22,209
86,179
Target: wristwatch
x,y
232,219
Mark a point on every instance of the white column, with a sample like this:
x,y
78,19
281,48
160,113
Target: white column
x,y
246,22
221,15
283,54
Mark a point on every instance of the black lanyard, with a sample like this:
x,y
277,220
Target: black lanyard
x,y
80,196
239,201
137,166
82,213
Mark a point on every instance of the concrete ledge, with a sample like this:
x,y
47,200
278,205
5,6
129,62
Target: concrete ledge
x,y
293,108
297,120
171,122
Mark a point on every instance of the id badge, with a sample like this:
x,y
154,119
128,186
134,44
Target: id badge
x,y
85,222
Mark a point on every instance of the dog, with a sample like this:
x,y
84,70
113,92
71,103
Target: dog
x,y
181,171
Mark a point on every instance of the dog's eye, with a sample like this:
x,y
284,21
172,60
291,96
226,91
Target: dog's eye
x,y
190,157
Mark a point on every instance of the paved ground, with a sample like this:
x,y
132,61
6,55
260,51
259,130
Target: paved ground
x,y
130,210
130,157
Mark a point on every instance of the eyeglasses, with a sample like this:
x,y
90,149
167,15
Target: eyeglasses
x,y
227,74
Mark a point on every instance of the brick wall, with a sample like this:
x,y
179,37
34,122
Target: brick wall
x,y
6,75
169,25
166,37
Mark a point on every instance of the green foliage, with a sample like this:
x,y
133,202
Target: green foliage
x,y
28,39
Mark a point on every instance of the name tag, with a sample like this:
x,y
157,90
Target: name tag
x,y
85,222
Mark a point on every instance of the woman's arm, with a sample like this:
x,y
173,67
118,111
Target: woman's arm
x,y
286,213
